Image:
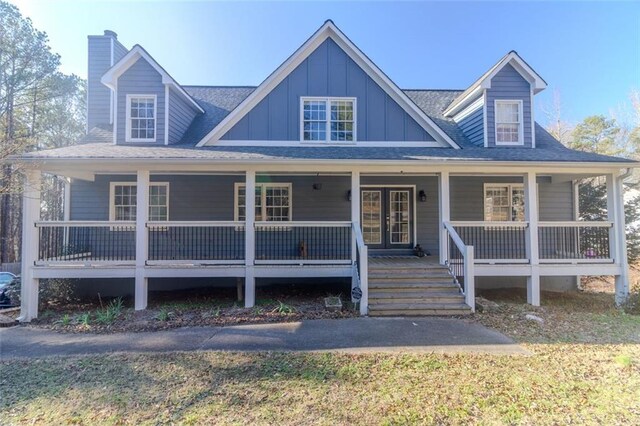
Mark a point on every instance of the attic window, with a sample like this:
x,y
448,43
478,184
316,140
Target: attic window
x,y
509,122
141,118
328,120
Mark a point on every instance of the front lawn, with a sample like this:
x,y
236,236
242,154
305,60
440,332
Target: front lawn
x,y
561,384
585,370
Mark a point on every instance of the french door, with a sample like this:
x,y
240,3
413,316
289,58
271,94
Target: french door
x,y
387,217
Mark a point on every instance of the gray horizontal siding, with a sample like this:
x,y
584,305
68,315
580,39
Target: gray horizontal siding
x,y
328,71
473,127
140,79
180,116
509,84
467,198
118,51
98,95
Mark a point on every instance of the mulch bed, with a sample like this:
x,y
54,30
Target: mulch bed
x,y
194,308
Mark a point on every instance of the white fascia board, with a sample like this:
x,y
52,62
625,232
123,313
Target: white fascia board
x,y
110,78
537,83
470,109
328,30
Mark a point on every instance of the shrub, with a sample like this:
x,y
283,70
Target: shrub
x,y
164,315
111,312
283,309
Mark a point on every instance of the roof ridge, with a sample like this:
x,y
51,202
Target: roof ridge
x,y
218,86
433,90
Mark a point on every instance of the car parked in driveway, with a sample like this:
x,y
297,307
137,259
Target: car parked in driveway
x,y
9,286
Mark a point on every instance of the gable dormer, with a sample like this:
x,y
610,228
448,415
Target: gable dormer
x,y
150,106
496,111
328,93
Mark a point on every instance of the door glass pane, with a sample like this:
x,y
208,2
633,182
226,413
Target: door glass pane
x,y
371,217
399,217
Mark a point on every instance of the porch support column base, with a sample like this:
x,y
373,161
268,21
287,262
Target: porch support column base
x,y
141,291
533,287
29,299
249,288
239,287
622,286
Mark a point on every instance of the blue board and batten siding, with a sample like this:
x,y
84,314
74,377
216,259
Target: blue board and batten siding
x,y
328,71
473,127
508,84
180,116
140,79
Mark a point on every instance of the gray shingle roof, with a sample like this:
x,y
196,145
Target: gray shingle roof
x,y
218,102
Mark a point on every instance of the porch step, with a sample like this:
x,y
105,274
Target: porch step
x,y
412,285
418,309
409,275
429,297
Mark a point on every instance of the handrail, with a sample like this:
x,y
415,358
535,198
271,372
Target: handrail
x,y
468,259
361,269
578,224
507,224
185,223
273,224
105,223
454,236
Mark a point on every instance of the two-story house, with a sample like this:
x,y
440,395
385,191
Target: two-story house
x,y
326,169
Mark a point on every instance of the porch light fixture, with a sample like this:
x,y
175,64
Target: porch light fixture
x,y
422,195
317,186
349,195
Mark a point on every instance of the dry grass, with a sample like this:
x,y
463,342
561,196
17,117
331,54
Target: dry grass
x,y
560,384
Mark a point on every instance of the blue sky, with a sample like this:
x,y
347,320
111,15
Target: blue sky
x,y
588,51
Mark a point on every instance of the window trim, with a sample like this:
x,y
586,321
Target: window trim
x,y
511,186
127,135
520,104
328,100
112,204
263,195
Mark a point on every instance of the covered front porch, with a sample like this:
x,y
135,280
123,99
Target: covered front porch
x,y
327,222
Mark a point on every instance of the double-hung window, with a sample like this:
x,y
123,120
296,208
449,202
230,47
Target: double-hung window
x,y
504,202
328,119
509,122
273,202
141,118
123,201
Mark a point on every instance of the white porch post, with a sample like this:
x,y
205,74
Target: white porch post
x,y
30,242
617,235
531,215
355,208
445,213
142,239
250,238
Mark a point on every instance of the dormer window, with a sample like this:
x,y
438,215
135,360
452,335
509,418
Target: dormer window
x,y
509,122
328,120
141,118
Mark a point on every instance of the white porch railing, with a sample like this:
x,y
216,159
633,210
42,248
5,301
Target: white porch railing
x,y
575,242
495,242
197,243
300,243
361,268
460,261
85,242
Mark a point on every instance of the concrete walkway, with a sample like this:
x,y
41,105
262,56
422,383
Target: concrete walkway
x,y
354,335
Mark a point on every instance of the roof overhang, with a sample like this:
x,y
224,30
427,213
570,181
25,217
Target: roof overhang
x,y
110,78
328,30
484,82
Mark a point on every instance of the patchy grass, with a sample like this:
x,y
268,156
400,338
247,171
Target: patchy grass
x,y
578,317
560,384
